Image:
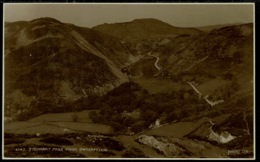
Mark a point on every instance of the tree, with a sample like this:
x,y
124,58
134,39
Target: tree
x,y
92,99
92,114
171,117
228,76
139,126
186,96
118,127
75,117
106,110
229,89
237,57
149,115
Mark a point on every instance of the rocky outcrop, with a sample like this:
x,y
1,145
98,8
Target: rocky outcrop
x,y
172,147
168,149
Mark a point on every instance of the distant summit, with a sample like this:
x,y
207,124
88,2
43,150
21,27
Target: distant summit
x,y
46,19
140,29
147,20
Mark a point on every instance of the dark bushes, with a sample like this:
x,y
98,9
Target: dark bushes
x,y
14,141
56,140
134,153
110,144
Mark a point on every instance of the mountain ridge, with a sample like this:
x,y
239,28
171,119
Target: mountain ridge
x,y
139,29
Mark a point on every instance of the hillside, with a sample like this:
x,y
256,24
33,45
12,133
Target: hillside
x,y
217,65
48,60
212,27
225,52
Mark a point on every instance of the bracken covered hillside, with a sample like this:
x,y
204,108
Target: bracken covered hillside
x,y
47,59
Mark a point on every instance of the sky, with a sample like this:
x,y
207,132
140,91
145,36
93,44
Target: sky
x,y
89,15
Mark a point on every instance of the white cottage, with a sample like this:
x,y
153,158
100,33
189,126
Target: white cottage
x,y
224,137
157,122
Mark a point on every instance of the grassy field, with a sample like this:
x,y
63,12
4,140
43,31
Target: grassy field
x,y
86,127
55,127
178,129
20,125
174,130
64,117
157,85
32,130
56,123
210,86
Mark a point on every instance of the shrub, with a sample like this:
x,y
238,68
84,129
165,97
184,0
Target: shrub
x,y
117,127
139,126
56,140
228,76
107,154
134,153
110,144
8,135
92,114
14,141
75,117
239,143
171,117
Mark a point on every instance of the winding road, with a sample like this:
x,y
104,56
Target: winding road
x,y
205,97
156,62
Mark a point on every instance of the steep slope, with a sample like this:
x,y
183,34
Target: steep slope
x,y
219,53
226,47
212,27
47,59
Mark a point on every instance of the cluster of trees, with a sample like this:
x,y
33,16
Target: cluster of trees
x,y
228,90
131,97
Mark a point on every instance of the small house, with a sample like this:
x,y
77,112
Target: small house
x,y
157,122
225,137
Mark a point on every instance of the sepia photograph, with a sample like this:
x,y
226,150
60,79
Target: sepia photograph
x,y
128,81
